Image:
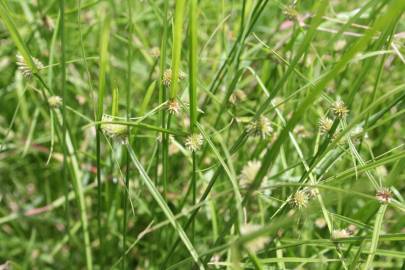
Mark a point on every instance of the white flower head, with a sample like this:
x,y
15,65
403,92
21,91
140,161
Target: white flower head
x,y
299,199
173,106
237,97
24,68
55,101
154,52
116,132
384,195
325,125
260,127
194,142
339,234
249,172
320,223
339,109
167,77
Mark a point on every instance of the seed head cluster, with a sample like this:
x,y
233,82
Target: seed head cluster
x,y
300,199
384,195
249,172
325,125
24,68
339,109
194,142
260,127
173,106
116,132
237,97
154,52
55,101
167,77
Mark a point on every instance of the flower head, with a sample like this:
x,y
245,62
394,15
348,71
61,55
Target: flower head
x,y
24,68
194,142
260,127
320,223
249,172
237,97
55,101
154,52
325,125
167,77
384,195
339,109
338,234
173,106
310,192
290,12
114,131
299,199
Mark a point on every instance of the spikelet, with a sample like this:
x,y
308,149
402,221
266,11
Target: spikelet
x,y
173,106
325,125
339,109
260,127
249,172
339,234
194,142
116,132
24,68
154,52
237,97
55,101
299,199
167,77
384,195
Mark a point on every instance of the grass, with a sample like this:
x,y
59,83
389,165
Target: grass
x,y
227,167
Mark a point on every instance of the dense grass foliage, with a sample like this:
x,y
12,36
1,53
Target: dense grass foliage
x,y
186,134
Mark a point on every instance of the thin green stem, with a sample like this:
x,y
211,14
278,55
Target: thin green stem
x,y
63,91
127,158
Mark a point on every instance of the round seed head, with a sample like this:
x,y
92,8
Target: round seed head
x,y
24,68
55,101
154,52
173,106
338,234
249,172
261,127
339,109
194,142
237,97
325,125
384,195
116,132
290,13
320,223
310,192
300,199
167,77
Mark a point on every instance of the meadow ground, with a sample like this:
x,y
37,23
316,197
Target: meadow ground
x,y
186,134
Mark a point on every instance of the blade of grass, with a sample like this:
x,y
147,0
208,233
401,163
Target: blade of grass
x,y
376,236
103,63
165,208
